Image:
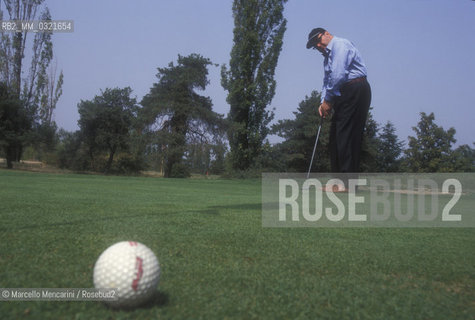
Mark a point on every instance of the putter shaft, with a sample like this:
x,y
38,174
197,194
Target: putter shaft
x,y
315,146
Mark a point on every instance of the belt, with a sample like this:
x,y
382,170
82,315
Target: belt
x,y
355,80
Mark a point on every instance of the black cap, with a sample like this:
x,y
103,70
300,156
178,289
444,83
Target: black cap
x,y
313,37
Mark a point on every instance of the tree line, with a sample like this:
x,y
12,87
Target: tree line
x,y
174,129
431,149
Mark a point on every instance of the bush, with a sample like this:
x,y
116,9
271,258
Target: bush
x,y
125,163
179,170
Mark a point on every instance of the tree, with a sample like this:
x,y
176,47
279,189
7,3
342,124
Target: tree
x,y
299,134
15,125
464,159
30,91
206,158
71,151
106,123
430,150
198,157
176,115
49,92
369,146
13,45
218,152
389,149
259,28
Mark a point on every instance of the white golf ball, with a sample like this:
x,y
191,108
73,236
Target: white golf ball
x,y
132,268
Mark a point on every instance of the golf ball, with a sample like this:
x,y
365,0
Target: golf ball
x,y
130,267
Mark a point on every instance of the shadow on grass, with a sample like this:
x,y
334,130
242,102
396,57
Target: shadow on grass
x,y
212,210
215,210
159,299
77,222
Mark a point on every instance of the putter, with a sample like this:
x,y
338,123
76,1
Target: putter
x,y
315,146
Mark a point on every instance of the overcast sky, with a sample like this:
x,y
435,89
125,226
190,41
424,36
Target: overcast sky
x,y
420,54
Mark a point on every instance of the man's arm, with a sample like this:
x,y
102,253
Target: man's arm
x,y
337,71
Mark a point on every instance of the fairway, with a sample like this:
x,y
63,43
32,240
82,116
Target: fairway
x,y
216,259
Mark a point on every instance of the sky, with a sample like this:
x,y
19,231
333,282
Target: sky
x,y
420,54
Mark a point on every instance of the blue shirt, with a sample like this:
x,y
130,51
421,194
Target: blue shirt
x,y
342,63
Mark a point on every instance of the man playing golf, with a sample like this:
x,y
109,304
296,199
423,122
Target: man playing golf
x,y
347,92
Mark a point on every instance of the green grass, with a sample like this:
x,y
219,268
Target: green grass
x,y
217,261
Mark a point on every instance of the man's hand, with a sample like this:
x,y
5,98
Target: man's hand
x,y
325,109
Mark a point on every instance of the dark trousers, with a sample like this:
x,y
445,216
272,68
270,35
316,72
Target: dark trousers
x,y
347,126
